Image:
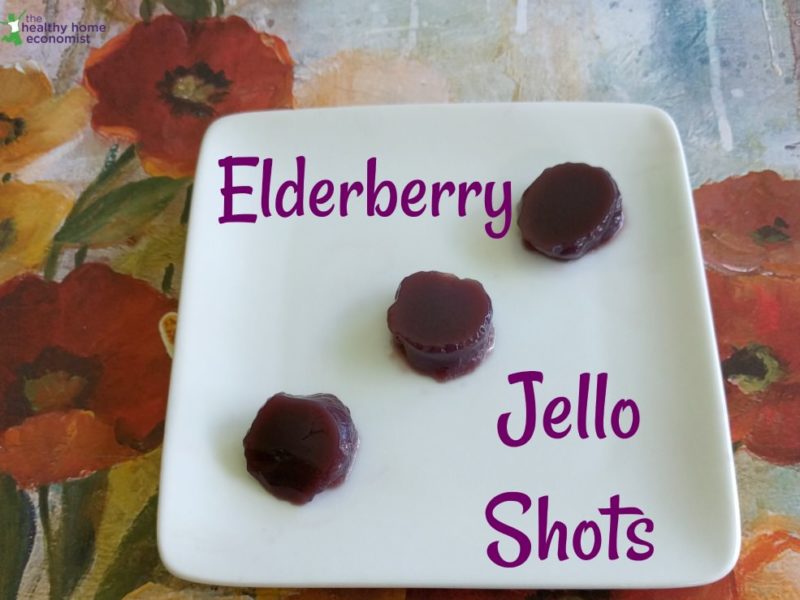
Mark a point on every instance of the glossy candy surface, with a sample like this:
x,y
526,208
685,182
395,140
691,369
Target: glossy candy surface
x,y
299,446
569,210
442,324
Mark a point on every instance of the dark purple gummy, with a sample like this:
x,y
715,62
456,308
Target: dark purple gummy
x,y
299,446
442,324
569,210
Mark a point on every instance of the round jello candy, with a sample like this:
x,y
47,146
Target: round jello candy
x,y
569,210
299,446
441,323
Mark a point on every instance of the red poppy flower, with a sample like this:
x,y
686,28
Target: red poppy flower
x,y
756,321
751,224
160,84
83,373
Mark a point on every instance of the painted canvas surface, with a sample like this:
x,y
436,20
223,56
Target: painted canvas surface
x,y
102,108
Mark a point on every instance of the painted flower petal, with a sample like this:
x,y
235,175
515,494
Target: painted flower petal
x,y
742,411
30,214
30,314
94,341
755,309
769,563
751,224
22,87
775,434
180,76
56,446
48,124
167,327
116,317
128,105
32,120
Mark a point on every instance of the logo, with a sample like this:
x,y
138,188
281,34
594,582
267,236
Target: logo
x,y
35,29
13,21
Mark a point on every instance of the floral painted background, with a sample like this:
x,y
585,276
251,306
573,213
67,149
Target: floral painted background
x,y
98,142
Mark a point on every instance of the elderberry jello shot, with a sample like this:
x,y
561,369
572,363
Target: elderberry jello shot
x,y
570,209
299,446
441,323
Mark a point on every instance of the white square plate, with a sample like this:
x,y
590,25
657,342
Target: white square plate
x,y
299,305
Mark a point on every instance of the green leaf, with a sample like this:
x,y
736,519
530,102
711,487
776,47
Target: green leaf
x,y
51,264
136,558
80,255
70,547
187,205
166,282
121,213
115,168
17,531
146,9
188,9
8,233
110,161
